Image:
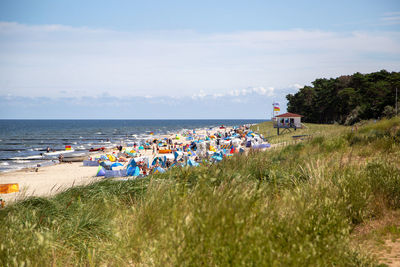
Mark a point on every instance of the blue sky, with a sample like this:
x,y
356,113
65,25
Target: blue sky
x,y
183,59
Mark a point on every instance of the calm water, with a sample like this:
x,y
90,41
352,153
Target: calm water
x,y
20,139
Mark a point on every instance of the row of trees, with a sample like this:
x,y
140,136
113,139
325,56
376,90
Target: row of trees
x,y
347,99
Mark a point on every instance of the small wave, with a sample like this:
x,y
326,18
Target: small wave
x,y
11,169
21,161
99,133
4,163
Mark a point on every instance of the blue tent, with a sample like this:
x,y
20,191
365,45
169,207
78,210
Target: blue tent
x,y
132,163
192,163
248,144
106,165
177,154
116,164
217,158
160,160
101,171
158,170
133,171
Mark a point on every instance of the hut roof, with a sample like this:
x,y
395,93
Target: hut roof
x,y
287,115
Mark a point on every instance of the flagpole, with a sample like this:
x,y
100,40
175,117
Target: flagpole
x,y
273,111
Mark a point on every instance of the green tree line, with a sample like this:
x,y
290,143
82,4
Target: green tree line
x,y
347,99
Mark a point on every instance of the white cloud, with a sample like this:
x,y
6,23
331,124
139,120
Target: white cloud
x,y
391,18
200,95
234,92
297,86
264,91
45,60
218,95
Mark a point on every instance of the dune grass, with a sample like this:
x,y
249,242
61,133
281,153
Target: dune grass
x,y
295,206
310,129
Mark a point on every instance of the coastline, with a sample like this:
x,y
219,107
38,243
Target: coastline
x,y
53,179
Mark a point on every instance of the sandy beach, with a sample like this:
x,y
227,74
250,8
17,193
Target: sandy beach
x,y
50,180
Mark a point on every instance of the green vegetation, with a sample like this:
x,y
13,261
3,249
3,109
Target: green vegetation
x,y
347,99
295,206
269,132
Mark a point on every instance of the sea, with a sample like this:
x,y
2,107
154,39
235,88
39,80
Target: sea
x,y
22,140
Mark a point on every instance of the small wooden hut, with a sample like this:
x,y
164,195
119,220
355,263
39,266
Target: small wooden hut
x,y
288,121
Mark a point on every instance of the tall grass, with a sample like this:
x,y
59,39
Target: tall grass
x,y
310,129
295,206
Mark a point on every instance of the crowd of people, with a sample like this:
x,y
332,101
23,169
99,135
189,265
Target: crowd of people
x,y
190,148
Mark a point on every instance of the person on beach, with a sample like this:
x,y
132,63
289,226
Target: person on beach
x,y
168,163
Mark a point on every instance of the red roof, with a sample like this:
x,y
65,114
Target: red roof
x,y
286,115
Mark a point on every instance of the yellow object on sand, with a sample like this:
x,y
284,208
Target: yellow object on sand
x,y
213,149
111,157
8,188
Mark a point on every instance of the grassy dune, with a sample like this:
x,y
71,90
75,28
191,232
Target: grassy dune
x,y
294,206
310,129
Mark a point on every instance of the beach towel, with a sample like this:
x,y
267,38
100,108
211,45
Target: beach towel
x,y
114,173
90,163
9,188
